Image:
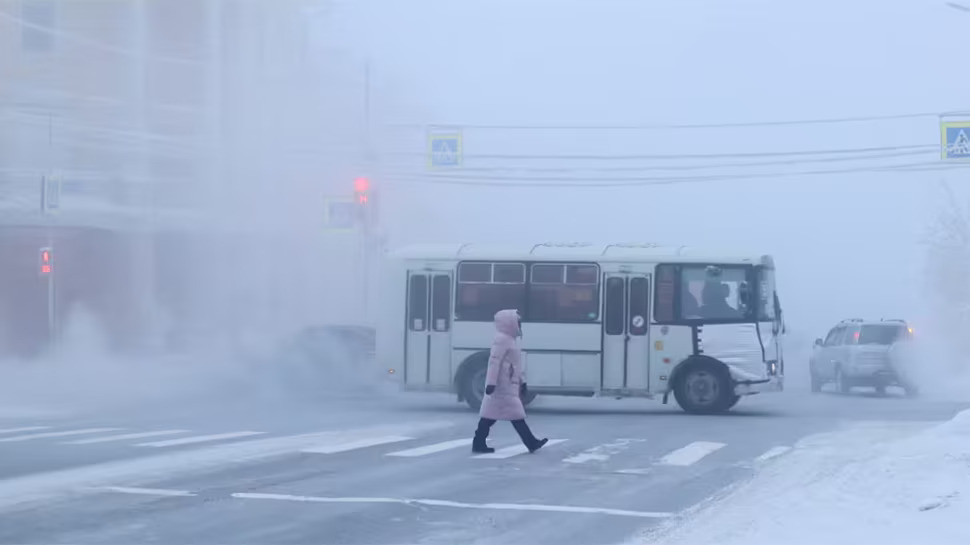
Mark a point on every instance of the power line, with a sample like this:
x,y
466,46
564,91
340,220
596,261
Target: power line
x,y
492,181
678,126
641,168
626,157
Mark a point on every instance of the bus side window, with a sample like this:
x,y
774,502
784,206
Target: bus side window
x,y
615,306
663,311
441,302
418,303
639,293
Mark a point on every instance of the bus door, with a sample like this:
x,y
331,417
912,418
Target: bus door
x,y
626,323
428,340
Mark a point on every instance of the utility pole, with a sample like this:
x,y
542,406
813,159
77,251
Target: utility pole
x,y
370,221
49,185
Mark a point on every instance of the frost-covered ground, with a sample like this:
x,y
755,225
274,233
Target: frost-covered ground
x,y
852,486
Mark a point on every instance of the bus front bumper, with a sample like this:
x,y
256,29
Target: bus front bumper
x,y
775,383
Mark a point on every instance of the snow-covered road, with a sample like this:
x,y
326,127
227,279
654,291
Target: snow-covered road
x,y
396,468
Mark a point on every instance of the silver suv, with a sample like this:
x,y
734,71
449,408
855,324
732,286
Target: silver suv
x,y
863,353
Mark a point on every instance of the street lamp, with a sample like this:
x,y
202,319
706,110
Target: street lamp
x,y
961,7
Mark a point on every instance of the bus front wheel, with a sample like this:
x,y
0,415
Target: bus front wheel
x,y
704,387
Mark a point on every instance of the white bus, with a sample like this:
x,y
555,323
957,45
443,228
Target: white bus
x,y
614,320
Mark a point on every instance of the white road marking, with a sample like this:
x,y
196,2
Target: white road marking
x,y
125,436
431,449
41,488
601,453
200,439
29,428
353,444
773,452
643,471
148,491
459,505
690,454
87,431
515,450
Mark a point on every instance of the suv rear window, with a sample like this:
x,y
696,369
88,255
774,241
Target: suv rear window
x,y
879,334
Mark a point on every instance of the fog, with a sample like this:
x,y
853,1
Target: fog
x,y
622,121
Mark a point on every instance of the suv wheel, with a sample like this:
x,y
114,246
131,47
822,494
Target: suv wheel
x,y
816,382
842,382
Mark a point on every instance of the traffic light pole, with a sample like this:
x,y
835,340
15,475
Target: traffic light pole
x,y
47,194
366,228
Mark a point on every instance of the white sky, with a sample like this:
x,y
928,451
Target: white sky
x,y
846,245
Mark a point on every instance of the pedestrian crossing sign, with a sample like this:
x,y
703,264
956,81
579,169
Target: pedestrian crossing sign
x,y
444,148
955,139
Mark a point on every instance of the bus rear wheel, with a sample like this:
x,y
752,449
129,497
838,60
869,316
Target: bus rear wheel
x,y
473,385
704,388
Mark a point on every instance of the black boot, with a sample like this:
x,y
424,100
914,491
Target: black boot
x,y
478,444
528,439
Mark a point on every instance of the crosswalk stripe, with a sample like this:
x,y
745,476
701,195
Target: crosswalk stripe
x,y
18,438
353,444
149,491
199,439
29,428
690,454
431,449
141,435
514,450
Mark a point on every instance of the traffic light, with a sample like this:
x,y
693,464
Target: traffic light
x,y
362,190
364,202
46,261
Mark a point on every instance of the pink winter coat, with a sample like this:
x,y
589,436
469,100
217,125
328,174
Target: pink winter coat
x,y
504,371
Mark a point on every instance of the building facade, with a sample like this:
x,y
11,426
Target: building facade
x,y
193,146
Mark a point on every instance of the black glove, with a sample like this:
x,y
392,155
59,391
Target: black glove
x,y
523,390
489,389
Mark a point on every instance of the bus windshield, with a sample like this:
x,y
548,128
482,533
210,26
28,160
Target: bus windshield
x,y
768,304
715,292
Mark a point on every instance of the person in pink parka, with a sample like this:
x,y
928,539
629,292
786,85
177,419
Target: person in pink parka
x,y
505,385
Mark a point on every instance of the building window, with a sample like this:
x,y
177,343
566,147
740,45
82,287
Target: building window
x,y
37,26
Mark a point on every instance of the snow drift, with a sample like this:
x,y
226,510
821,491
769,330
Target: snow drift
x,y
849,487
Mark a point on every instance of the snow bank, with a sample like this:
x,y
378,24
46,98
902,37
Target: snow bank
x,y
849,487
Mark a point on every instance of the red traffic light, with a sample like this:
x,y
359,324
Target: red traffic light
x,y
361,185
46,259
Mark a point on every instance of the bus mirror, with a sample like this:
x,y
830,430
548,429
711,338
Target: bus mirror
x,y
818,342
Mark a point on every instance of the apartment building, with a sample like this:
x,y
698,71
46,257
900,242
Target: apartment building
x,y
184,138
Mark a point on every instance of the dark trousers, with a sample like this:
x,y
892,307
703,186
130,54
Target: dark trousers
x,y
485,424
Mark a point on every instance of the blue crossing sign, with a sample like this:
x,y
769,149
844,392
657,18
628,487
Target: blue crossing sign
x,y
444,148
955,140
